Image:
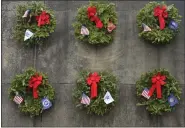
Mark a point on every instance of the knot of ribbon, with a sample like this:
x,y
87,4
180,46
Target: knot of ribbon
x,y
92,81
157,81
43,18
161,13
92,15
34,82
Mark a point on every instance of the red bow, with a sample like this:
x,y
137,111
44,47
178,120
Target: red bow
x,y
34,82
92,81
161,13
43,18
93,16
157,81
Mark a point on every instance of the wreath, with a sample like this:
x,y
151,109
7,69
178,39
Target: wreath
x,y
35,22
158,91
96,92
158,23
95,23
32,92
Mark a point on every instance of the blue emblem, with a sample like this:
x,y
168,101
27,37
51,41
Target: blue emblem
x,y
46,103
107,97
172,100
173,25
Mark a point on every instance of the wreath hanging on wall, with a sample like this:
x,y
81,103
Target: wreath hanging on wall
x,y
158,91
158,23
32,92
96,23
35,22
97,92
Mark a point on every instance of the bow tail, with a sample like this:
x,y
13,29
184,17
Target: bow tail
x,y
152,89
39,22
35,93
159,91
161,22
93,90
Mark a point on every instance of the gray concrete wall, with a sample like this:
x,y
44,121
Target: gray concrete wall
x,y
63,57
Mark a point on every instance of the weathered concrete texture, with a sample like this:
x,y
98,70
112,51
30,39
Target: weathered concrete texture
x,y
10,114
63,56
11,5
57,5
128,56
15,58
74,5
130,5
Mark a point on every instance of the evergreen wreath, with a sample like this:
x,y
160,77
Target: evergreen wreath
x,y
95,23
35,18
158,91
32,92
106,84
158,30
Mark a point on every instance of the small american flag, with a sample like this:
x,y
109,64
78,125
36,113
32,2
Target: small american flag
x,y
85,99
145,93
18,99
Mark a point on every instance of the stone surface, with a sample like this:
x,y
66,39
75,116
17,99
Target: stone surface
x,y
130,5
74,5
10,114
172,58
57,5
63,56
127,56
11,5
15,58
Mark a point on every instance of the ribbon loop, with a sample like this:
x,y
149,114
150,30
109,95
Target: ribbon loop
x,y
92,15
43,19
157,81
92,81
161,13
34,82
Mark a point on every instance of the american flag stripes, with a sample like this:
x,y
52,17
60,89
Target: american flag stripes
x,y
145,93
85,99
18,99
84,31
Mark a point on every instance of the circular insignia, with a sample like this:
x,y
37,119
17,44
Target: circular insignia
x,y
171,100
45,102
